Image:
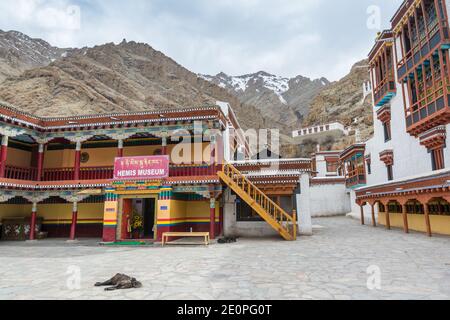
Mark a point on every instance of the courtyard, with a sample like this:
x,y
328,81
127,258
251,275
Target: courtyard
x,y
335,263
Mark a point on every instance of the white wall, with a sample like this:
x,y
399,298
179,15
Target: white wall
x,y
304,206
234,228
337,200
410,158
321,166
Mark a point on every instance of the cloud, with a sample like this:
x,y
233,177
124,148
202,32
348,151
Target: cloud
x,y
287,37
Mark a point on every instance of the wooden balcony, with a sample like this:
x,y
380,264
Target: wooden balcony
x,y
102,173
431,109
437,38
356,177
385,91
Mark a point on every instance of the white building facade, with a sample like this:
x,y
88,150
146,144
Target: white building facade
x,y
404,176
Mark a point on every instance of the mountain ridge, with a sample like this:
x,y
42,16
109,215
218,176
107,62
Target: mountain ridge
x,y
271,93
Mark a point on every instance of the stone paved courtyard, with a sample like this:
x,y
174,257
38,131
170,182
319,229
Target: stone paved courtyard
x,y
330,265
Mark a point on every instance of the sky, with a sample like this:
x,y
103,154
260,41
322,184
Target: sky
x,y
313,38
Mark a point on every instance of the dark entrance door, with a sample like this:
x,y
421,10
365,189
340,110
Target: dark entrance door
x,y
149,217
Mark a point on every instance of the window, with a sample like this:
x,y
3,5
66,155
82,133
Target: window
x,y
387,131
395,207
369,167
390,173
437,159
332,166
439,207
245,213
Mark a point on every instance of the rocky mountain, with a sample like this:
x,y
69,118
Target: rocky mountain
x,y
19,52
130,76
281,99
343,101
109,78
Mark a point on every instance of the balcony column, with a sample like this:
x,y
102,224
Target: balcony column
x,y
212,217
73,227
164,145
388,217
3,155
427,218
120,148
76,173
405,217
212,159
33,222
361,206
40,162
374,221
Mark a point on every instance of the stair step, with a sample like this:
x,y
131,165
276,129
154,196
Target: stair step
x,y
236,180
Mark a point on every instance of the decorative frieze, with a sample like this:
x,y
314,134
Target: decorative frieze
x,y
387,156
435,138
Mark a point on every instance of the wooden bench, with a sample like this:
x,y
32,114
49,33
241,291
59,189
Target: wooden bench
x,y
167,235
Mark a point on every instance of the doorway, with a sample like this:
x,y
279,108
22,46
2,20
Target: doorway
x,y
148,211
138,218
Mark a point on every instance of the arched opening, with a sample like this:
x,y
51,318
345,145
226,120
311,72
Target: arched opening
x,y
394,207
414,207
15,219
439,215
439,207
57,214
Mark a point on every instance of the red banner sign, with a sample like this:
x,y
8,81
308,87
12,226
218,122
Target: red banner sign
x,y
141,168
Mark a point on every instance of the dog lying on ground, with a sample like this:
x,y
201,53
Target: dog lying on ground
x,y
120,281
227,240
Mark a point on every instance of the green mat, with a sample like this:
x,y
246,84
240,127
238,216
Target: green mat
x,y
129,243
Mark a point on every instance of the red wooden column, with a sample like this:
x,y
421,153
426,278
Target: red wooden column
x,y
33,222
120,148
40,162
388,217
73,227
374,221
212,216
427,216
76,172
405,216
3,155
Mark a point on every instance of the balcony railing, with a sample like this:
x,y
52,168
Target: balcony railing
x,y
423,48
20,173
193,170
102,173
356,177
431,102
385,91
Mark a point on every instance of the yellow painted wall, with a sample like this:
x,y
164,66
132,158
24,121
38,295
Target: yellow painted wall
x,y
186,210
396,220
18,158
105,156
52,212
200,209
14,211
59,159
440,224
416,222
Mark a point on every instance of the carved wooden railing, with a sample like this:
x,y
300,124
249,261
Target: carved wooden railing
x,y
184,170
273,214
20,173
103,172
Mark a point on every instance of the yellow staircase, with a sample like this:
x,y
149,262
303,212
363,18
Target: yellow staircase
x,y
273,214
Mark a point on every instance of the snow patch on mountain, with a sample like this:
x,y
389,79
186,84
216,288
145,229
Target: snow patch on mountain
x,y
240,84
